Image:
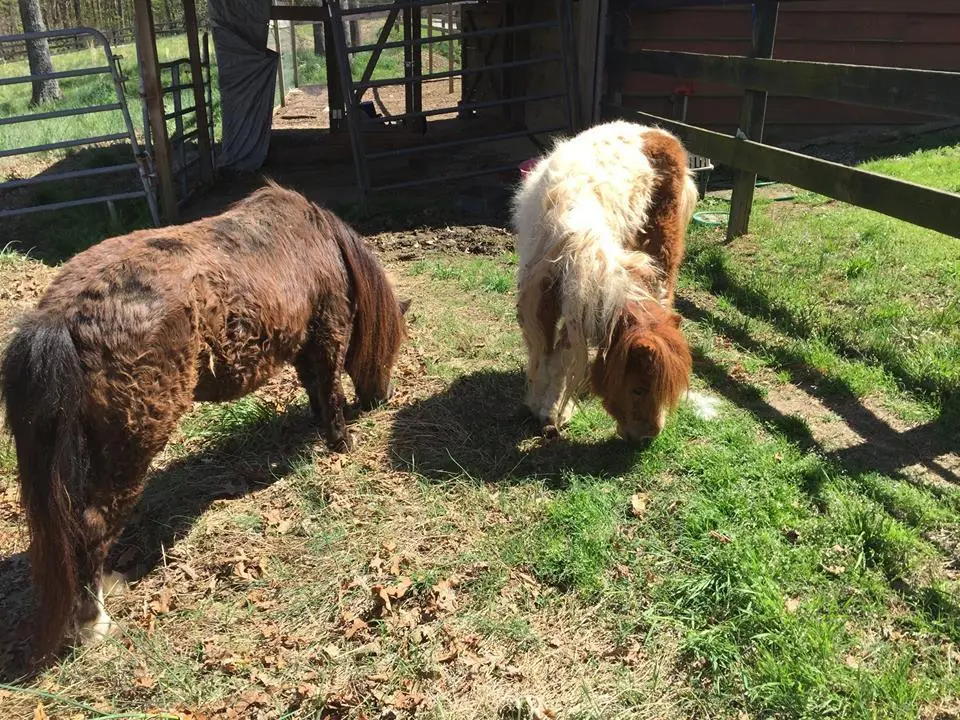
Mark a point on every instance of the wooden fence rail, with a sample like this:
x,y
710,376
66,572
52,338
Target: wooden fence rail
x,y
929,92
908,201
924,91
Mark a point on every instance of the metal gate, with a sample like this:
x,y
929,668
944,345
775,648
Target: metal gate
x,y
176,77
359,118
141,160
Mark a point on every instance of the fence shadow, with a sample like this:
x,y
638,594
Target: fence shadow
x,y
54,236
884,449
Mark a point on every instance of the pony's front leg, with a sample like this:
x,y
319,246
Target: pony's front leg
x,y
537,313
320,369
556,405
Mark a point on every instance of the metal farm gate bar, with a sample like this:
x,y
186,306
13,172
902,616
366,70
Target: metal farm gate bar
x,y
508,39
140,161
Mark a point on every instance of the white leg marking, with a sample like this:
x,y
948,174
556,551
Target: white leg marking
x,y
96,630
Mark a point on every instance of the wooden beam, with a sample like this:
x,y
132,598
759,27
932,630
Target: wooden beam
x,y
927,207
300,13
752,117
153,99
199,96
639,5
588,55
924,91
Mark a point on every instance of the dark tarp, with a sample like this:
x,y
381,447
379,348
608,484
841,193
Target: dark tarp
x,y
247,69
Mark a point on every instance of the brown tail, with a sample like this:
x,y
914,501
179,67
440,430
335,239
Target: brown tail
x,y
43,388
378,327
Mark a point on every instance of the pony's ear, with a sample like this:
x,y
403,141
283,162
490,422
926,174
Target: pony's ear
x,y
675,320
405,305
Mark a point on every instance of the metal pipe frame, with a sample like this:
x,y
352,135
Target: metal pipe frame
x,y
74,203
141,161
369,9
59,113
546,24
467,106
56,75
464,141
63,144
457,73
445,178
73,174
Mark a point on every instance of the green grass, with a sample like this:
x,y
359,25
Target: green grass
x,y
761,575
870,302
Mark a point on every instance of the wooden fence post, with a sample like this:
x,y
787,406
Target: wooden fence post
x,y
752,117
276,41
153,99
293,52
199,101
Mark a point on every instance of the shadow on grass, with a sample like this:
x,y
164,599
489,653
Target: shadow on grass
x,y
54,236
479,429
175,497
885,450
758,305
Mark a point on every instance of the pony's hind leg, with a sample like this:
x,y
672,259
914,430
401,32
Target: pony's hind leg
x,y
119,483
320,369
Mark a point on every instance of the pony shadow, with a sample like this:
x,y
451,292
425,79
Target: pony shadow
x,y
479,429
176,495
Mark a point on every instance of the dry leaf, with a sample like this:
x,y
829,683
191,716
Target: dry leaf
x,y
835,570
143,679
39,713
444,597
407,700
638,505
356,626
163,602
719,537
447,655
851,662
792,605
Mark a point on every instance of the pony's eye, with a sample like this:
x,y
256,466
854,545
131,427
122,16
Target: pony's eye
x,y
639,391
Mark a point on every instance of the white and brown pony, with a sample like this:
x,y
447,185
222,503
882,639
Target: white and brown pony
x,y
600,226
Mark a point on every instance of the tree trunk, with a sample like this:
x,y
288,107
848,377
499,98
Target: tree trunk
x,y
38,54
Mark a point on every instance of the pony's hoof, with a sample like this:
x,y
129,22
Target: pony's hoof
x,y
551,432
341,443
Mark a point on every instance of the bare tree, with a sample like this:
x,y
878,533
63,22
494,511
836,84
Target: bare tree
x,y
38,54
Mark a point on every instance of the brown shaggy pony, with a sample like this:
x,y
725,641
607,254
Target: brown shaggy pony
x,y
600,225
135,329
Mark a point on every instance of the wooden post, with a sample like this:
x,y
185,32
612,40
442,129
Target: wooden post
x,y
335,89
429,36
319,44
276,41
196,75
293,52
590,54
153,99
449,31
752,118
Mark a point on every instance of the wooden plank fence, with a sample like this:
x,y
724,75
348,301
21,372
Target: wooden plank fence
x,y
928,91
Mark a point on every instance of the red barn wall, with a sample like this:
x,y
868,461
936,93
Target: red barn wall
x,y
921,34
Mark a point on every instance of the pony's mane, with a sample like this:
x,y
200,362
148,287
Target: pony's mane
x,y
647,325
378,327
